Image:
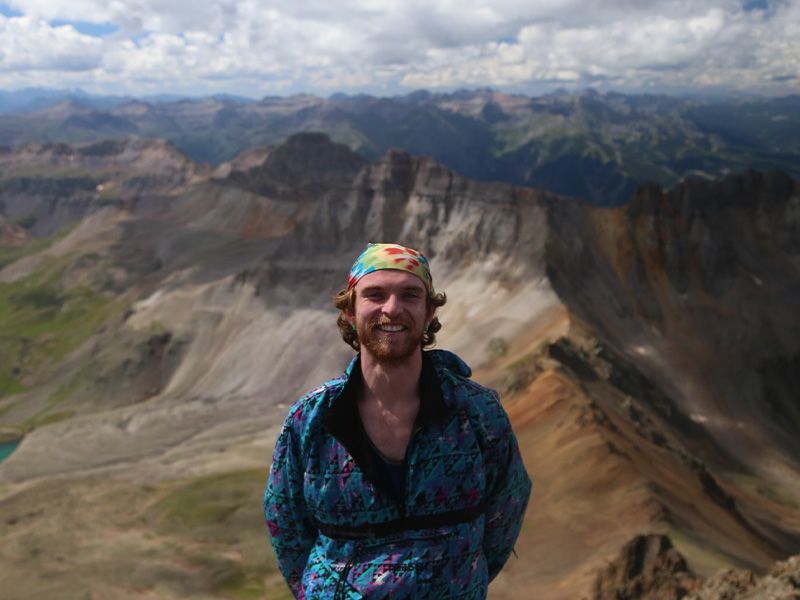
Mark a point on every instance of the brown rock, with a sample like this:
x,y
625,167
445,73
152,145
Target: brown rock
x,y
781,583
727,584
647,567
12,234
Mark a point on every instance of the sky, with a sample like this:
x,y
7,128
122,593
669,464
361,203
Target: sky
x,y
257,48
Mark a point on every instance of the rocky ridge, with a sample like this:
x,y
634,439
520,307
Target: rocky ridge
x,y
650,567
52,186
589,321
588,144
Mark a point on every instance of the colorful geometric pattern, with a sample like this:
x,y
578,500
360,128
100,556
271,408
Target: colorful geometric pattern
x,y
467,457
391,256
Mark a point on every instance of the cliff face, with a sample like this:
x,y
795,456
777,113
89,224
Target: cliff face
x,y
699,287
53,186
646,354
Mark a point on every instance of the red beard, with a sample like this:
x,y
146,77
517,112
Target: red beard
x,y
390,347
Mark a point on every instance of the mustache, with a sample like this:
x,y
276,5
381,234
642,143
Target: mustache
x,y
381,322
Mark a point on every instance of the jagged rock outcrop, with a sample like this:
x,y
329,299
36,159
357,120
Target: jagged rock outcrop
x,y
647,567
650,568
782,582
728,584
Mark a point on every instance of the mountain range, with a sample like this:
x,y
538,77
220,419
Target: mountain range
x,y
158,316
591,145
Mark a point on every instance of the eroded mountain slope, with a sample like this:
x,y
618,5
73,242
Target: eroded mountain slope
x,y
173,326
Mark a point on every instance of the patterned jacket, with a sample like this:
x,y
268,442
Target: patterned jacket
x,y
338,533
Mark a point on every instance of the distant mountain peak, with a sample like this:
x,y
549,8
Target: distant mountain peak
x,y
309,161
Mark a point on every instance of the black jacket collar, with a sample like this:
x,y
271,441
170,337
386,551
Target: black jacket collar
x,y
344,423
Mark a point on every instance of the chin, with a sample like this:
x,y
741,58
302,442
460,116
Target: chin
x,y
385,351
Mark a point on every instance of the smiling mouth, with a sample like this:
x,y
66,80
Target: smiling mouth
x,y
390,328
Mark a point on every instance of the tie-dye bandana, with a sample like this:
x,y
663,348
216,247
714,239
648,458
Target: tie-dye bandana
x,y
391,256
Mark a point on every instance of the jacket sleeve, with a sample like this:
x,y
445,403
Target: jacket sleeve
x,y
508,488
290,527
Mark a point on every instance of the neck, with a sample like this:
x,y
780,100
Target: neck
x,y
391,382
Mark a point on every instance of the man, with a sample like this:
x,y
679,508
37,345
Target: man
x,y
402,478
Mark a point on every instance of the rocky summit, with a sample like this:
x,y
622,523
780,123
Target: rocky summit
x,y
158,317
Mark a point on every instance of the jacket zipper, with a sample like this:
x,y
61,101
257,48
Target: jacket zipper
x,y
402,507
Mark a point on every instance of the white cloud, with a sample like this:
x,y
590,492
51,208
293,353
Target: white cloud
x,y
259,46
31,45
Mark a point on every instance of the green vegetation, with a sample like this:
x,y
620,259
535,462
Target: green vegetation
x,y
44,416
41,320
209,501
535,128
701,556
206,515
10,254
9,385
55,417
497,347
523,371
27,221
11,434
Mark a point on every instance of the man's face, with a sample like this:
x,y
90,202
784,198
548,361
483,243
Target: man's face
x,y
391,312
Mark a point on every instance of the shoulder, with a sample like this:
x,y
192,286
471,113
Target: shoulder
x,y
305,414
454,376
481,404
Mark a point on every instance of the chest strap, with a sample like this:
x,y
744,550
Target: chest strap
x,y
411,523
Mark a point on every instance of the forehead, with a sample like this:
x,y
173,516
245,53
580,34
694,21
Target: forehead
x,y
389,279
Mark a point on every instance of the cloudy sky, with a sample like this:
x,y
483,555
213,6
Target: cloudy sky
x,y
262,47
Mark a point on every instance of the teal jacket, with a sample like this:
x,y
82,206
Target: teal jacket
x,y
338,532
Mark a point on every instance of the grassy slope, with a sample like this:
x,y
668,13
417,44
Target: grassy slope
x,y
42,319
220,515
192,538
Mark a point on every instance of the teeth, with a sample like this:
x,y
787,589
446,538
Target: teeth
x,y
390,327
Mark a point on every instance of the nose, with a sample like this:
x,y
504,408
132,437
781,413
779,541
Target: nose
x,y
392,308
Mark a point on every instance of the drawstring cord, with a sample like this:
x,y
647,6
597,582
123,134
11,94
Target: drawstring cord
x,y
340,593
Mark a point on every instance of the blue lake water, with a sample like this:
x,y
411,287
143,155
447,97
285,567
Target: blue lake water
x,y
6,448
